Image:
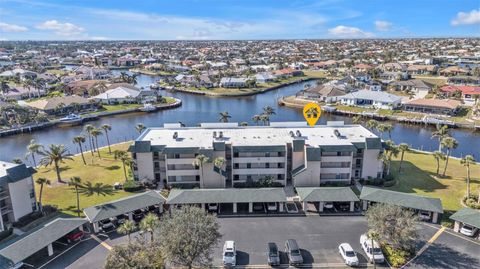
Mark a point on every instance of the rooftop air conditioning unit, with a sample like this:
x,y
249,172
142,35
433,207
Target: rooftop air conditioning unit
x,y
220,134
337,133
292,134
214,134
298,133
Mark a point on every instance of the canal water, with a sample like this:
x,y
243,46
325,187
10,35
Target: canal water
x,y
196,109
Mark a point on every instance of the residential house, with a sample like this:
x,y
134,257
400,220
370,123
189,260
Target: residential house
x,y
375,99
412,85
422,69
264,77
392,67
125,94
454,71
17,193
22,73
433,106
230,82
327,93
468,93
389,76
287,72
21,93
62,105
464,80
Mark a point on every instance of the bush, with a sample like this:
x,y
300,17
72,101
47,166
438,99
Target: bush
x,y
335,184
6,233
27,219
472,201
389,183
132,186
185,185
396,257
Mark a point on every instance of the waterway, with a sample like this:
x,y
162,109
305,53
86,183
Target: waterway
x,y
196,109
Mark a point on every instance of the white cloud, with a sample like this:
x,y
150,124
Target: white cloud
x,y
62,29
99,38
466,18
5,27
348,32
383,25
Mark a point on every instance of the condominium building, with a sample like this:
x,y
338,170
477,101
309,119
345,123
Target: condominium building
x,y
17,193
287,153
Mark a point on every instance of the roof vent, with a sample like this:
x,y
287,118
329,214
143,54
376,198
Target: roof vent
x,y
220,134
175,135
214,134
337,133
292,134
298,133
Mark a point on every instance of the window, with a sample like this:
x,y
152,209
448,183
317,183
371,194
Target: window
x,y
236,177
235,166
176,156
197,178
249,165
235,154
157,176
156,165
267,154
267,165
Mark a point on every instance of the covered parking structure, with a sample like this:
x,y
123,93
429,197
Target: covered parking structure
x,y
19,248
322,195
122,206
411,201
467,216
235,197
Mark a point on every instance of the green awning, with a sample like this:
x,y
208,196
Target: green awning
x,y
298,145
327,194
313,154
373,143
247,195
401,199
468,216
334,148
279,148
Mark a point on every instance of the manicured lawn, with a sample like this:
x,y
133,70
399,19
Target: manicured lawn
x,y
120,107
419,176
315,73
106,170
435,80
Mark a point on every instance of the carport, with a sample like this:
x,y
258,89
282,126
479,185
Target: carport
x,y
125,205
19,248
407,200
228,196
322,195
466,216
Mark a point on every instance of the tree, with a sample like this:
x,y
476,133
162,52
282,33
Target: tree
x,y
224,116
106,128
268,110
450,143
41,181
219,162
199,161
80,139
187,238
439,156
381,128
32,149
128,227
372,124
76,183
357,119
95,133
467,161
256,118
387,127
403,147
17,161
440,133
149,224
140,128
133,256
391,150
39,84
125,158
394,225
55,154
89,128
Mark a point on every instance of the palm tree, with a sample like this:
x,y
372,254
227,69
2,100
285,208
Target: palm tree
x,y
106,128
89,189
268,110
372,124
140,128
265,119
200,160
357,119
80,139
124,77
55,154
387,127
450,143
41,181
125,158
391,150
149,224
256,118
381,128
218,163
76,183
439,156
32,149
17,161
88,128
39,84
402,147
133,79
440,133
224,116
467,161
95,133
128,227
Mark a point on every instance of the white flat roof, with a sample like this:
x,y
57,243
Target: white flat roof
x,y
202,137
4,166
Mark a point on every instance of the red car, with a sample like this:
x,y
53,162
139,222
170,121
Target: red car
x,y
75,236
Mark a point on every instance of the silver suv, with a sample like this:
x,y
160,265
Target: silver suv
x,y
293,252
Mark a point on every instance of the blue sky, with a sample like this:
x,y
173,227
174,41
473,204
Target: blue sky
x,y
240,19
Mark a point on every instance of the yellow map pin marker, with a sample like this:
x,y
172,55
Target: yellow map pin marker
x,y
312,112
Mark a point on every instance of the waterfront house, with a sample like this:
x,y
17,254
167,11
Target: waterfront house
x,y
21,93
17,193
464,80
327,93
412,85
62,105
454,71
433,106
22,73
125,94
422,69
231,82
91,73
287,72
264,77
467,93
375,99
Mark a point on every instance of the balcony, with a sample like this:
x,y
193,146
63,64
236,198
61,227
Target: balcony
x,y
181,161
192,172
259,160
259,171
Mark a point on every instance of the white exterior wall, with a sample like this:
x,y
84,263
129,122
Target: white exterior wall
x,y
145,166
371,164
20,197
310,177
298,159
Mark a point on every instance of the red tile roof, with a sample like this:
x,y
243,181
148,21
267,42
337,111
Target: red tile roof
x,y
463,89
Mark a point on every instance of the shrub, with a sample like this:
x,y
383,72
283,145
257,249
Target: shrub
x,y
471,201
396,257
185,185
389,183
132,186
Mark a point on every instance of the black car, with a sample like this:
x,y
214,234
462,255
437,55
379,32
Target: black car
x,y
154,209
120,219
138,215
273,256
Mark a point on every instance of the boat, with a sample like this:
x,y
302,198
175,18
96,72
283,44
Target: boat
x,y
70,120
154,86
148,108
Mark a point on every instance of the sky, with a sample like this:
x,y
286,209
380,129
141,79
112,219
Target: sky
x,y
236,19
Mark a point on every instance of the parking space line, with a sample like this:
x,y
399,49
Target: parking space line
x,y
451,232
61,253
426,246
103,243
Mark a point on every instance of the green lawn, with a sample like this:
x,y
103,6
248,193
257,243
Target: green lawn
x,y
106,170
419,176
435,80
120,107
316,73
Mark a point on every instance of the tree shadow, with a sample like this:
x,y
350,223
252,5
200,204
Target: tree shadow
x,y
64,168
416,177
113,167
442,256
243,258
308,259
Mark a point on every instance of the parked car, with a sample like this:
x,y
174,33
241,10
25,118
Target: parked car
x,y
328,205
120,219
343,207
293,252
107,225
154,209
468,230
258,207
213,207
273,256
75,235
424,215
229,254
373,251
272,206
348,254
138,215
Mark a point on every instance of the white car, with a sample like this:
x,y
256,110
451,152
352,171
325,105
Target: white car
x,y
328,205
373,251
468,230
272,206
229,254
212,207
424,215
348,254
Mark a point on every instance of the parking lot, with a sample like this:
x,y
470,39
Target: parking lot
x,y
317,236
